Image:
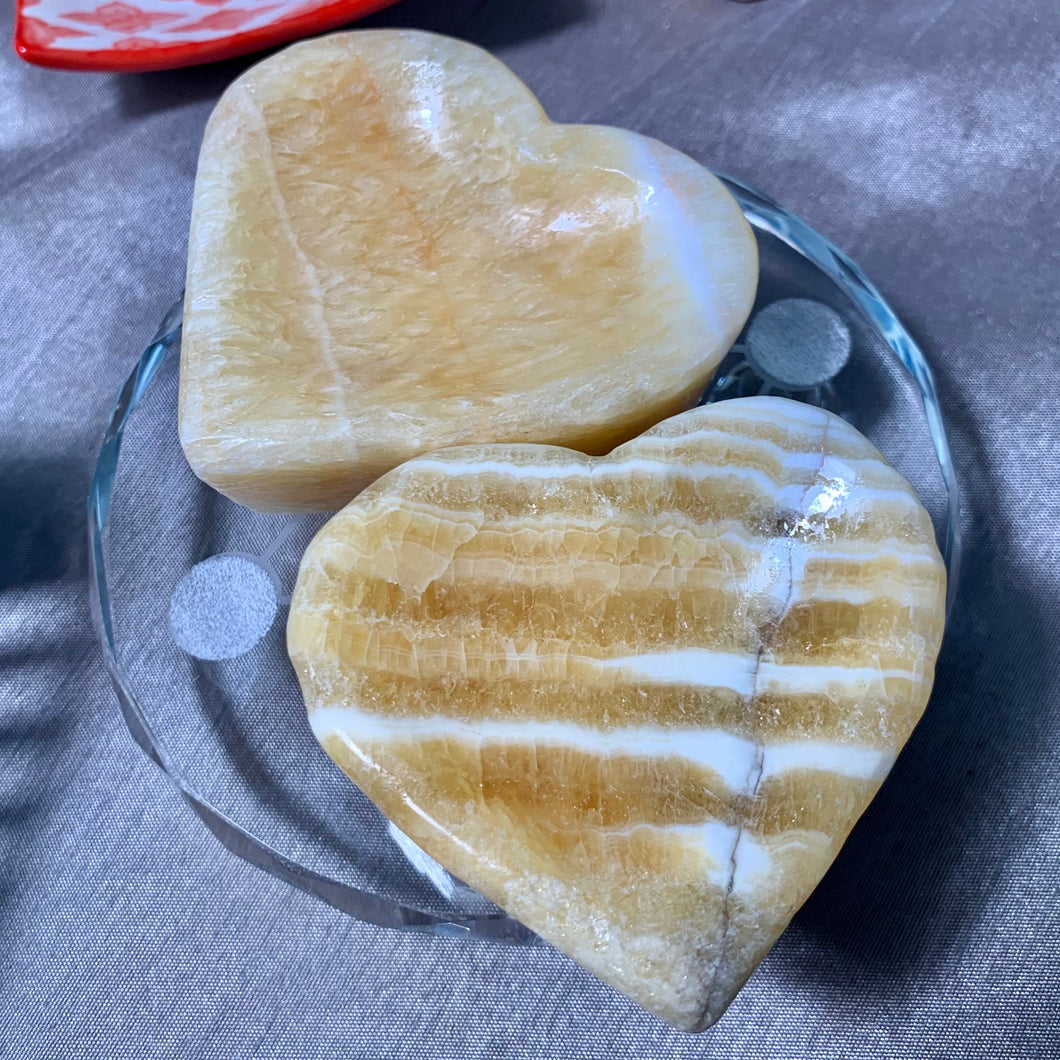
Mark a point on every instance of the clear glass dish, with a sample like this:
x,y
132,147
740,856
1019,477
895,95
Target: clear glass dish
x,y
189,590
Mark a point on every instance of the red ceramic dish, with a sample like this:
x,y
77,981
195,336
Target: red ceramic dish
x,y
137,35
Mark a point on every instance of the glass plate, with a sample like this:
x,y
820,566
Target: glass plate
x,y
189,590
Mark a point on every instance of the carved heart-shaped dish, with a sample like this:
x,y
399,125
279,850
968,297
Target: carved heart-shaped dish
x,y
638,701
393,250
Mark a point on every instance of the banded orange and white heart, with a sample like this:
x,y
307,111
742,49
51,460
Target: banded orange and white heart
x,y
638,701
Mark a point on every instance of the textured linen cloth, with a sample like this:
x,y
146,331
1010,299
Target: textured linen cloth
x,y
922,137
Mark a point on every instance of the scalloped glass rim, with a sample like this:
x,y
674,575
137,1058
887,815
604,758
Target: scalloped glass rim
x,y
765,215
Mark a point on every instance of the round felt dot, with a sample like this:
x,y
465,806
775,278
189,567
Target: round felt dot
x,y
797,343
222,607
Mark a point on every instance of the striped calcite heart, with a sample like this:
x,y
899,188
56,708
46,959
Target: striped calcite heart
x,y
638,701
392,250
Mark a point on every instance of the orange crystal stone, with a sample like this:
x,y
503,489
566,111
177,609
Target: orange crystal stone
x,y
393,250
638,701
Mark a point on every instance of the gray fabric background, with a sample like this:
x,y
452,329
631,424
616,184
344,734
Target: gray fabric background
x,y
922,136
